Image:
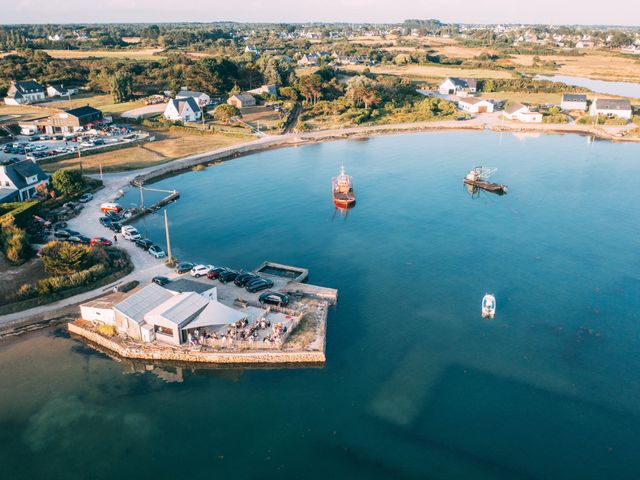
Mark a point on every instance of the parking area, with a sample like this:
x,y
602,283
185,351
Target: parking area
x,y
39,147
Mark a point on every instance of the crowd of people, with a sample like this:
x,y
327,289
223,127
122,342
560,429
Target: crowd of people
x,y
241,330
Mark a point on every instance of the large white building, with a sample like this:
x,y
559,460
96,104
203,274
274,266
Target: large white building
x,y
574,101
458,86
183,110
611,107
28,91
520,112
18,181
202,99
475,105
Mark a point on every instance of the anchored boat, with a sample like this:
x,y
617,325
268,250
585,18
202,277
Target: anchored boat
x,y
342,190
488,306
478,178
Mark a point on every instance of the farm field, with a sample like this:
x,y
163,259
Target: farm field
x,y
422,72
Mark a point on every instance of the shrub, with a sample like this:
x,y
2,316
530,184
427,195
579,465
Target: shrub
x,y
14,241
63,258
68,182
107,330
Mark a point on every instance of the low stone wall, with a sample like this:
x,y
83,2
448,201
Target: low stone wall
x,y
178,355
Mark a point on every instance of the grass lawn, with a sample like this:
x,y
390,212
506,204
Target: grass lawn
x,y
530,98
266,117
167,146
424,72
102,102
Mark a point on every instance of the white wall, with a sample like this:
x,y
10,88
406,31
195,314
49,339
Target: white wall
x,y
96,314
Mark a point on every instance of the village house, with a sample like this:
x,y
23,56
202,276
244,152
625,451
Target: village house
x,y
574,101
520,112
28,91
18,181
154,313
59,90
475,105
584,44
458,86
202,99
611,107
242,100
69,121
270,90
310,60
182,110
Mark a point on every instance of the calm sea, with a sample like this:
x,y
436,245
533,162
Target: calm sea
x,y
417,384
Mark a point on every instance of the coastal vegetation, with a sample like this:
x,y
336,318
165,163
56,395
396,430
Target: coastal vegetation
x,y
70,269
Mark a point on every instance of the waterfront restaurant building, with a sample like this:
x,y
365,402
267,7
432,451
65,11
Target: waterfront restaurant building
x,y
154,313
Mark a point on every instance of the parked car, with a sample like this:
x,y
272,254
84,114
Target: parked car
x,y
144,243
200,270
105,222
274,298
130,233
115,226
184,267
79,239
244,278
215,272
113,216
71,232
156,251
159,280
260,284
61,234
59,225
100,241
228,276
85,197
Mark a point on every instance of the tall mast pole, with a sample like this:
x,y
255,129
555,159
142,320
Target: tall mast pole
x,y
166,229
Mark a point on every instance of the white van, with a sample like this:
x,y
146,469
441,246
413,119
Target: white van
x,y
130,233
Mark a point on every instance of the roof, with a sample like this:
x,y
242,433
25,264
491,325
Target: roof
x,y
19,172
244,97
8,194
143,301
464,82
28,86
574,97
180,308
188,93
105,302
473,100
514,107
216,313
58,87
83,111
185,285
612,104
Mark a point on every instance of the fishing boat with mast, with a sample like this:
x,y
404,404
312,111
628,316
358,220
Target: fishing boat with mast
x,y
342,190
478,178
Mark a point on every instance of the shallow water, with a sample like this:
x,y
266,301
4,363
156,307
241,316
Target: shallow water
x,y
416,384
623,89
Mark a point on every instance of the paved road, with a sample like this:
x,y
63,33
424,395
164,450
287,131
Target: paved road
x,y
149,110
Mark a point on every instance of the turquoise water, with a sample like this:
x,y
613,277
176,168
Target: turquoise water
x,y
417,384
624,89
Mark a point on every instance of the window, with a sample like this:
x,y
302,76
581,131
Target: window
x,y
163,330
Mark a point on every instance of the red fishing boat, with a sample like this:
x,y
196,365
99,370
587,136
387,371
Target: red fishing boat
x,y
342,189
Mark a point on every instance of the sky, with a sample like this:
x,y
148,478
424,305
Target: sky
x,y
557,12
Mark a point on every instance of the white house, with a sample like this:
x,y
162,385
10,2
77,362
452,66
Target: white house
x,y
183,110
458,86
520,112
611,107
201,98
475,105
28,91
18,181
573,101
60,90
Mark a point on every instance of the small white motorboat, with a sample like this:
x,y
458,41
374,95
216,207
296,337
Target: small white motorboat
x,y
488,306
